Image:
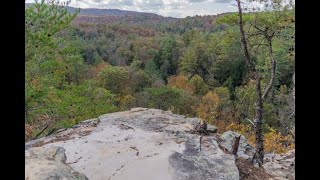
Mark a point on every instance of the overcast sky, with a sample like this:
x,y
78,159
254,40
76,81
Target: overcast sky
x,y
173,8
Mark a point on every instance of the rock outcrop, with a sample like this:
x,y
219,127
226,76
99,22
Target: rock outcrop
x,y
49,163
281,166
137,144
245,150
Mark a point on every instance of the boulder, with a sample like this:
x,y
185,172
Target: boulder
x,y
245,150
49,163
212,128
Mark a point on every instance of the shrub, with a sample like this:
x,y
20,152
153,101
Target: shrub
x,y
208,109
273,141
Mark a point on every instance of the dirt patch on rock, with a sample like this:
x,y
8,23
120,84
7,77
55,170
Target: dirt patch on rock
x,y
249,172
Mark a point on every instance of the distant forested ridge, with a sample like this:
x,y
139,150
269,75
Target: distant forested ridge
x,y
80,65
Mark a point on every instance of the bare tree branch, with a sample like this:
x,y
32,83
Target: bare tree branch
x,y
255,26
250,121
273,69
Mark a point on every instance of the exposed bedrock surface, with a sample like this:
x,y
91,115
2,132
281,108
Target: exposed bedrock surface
x,y
137,144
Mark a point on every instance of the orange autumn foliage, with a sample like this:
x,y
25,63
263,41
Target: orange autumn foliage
x,y
180,82
95,70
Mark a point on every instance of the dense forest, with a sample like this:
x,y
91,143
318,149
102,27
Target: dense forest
x,y
78,69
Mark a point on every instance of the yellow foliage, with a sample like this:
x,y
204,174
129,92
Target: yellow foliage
x,y
181,82
273,141
221,125
126,102
208,108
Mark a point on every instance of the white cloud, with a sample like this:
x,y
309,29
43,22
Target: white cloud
x,y
174,8
222,1
196,0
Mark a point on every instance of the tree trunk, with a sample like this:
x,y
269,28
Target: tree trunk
x,y
242,36
292,130
259,100
258,123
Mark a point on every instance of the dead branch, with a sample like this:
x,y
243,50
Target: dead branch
x,y
46,127
255,26
52,131
250,121
235,146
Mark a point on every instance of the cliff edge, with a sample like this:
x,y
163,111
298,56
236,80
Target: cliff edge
x,y
141,144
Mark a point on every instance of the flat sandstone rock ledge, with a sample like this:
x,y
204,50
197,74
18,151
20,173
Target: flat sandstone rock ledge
x,y
151,120
139,144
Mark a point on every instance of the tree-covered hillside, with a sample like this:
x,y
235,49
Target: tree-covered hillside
x,y
77,69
